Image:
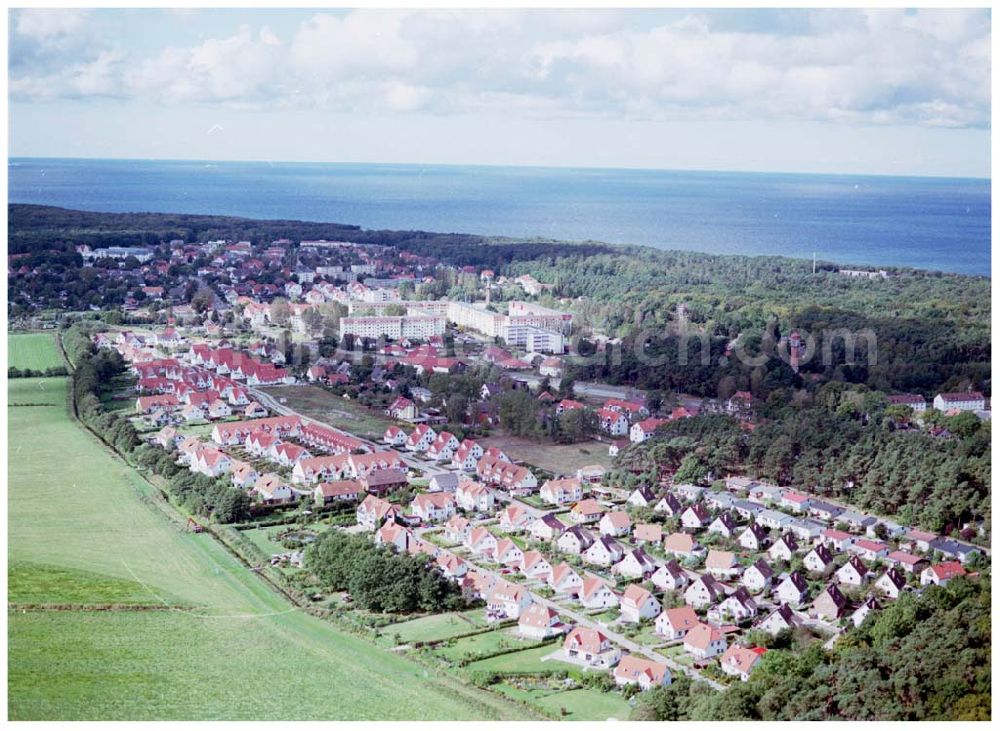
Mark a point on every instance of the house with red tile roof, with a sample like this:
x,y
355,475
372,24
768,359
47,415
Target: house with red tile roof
x,y
587,511
704,641
638,604
632,669
645,429
740,661
595,594
591,647
564,580
940,574
327,493
420,439
564,490
539,622
675,623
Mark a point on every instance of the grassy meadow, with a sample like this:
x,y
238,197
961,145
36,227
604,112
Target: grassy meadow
x,y
84,529
34,351
338,412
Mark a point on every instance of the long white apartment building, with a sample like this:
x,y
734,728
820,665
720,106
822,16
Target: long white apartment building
x,y
393,327
527,325
414,308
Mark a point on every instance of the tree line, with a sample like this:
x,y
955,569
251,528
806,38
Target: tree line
x,y
94,374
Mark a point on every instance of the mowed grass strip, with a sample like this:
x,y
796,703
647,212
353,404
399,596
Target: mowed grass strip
x,y
239,651
35,351
523,661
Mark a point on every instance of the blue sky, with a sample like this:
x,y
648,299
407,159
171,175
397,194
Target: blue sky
x,y
884,92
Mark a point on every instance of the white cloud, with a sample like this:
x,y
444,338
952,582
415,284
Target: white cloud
x,y
927,67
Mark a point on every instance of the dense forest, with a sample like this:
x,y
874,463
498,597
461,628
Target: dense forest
x,y
843,442
914,331
34,229
924,657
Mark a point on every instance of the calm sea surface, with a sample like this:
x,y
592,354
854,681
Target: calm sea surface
x,y
929,223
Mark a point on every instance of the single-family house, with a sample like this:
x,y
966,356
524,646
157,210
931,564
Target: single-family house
x,y
604,551
675,623
546,528
564,580
564,490
647,674
635,564
784,548
539,622
722,564
595,594
695,517
433,507
704,592
705,641
615,524
818,560
940,574
681,545
758,577
670,577
591,647
793,589
780,619
740,661
830,605
638,604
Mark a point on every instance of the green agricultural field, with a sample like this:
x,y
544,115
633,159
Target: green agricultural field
x,y
436,626
225,646
35,351
37,584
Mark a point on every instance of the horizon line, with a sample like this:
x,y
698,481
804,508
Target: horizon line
x,y
987,178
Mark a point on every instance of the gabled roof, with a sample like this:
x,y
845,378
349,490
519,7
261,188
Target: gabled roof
x,y
633,667
681,618
947,570
702,636
636,595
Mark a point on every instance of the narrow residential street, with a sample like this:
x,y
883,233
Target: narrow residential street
x,y
585,621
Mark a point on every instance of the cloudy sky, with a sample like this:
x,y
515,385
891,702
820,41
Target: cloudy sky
x,y
885,91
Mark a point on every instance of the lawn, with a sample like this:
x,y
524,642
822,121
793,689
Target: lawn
x,y
581,704
36,351
520,662
259,537
437,626
560,459
586,704
229,648
482,644
338,412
